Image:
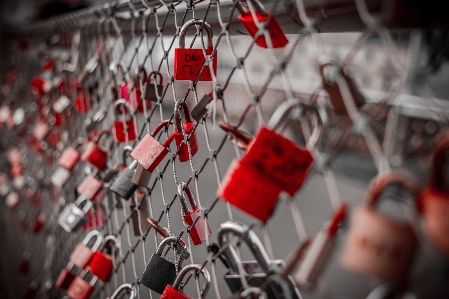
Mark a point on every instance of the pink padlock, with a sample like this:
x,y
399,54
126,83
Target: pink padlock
x,y
376,244
82,254
89,187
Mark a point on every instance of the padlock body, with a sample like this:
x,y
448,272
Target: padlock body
x,y
95,155
200,231
120,130
40,220
81,255
60,177
123,185
69,158
336,97
40,130
71,218
149,153
435,210
101,265
158,274
248,191
183,148
378,246
89,187
81,104
142,176
314,260
278,159
171,293
200,109
150,91
189,62
65,279
79,289
278,38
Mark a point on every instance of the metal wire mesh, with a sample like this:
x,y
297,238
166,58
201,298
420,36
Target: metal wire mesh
x,y
253,82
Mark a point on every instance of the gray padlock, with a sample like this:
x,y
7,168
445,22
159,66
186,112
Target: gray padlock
x,y
123,185
142,176
201,109
256,272
159,271
150,88
73,217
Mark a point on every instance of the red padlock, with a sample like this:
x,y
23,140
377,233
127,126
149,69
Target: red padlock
x,y
65,279
81,289
376,244
277,36
189,63
101,263
82,254
89,187
70,157
199,230
185,129
39,223
271,164
149,152
94,153
434,201
96,216
174,292
124,131
81,103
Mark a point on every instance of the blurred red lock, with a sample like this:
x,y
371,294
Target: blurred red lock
x,y
188,125
102,264
89,187
39,223
124,131
81,103
199,230
434,200
149,152
81,289
189,63
70,157
94,153
277,36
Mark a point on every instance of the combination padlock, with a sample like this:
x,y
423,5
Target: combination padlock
x,y
159,271
89,187
174,292
434,201
310,259
185,136
277,36
271,164
153,91
73,217
102,264
149,152
199,231
124,130
94,153
126,287
139,212
376,244
334,77
123,185
191,64
256,273
80,288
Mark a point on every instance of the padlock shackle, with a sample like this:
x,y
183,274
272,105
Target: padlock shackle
x,y
182,33
249,237
279,116
127,149
94,233
122,102
155,75
87,205
240,137
437,174
378,184
170,239
182,187
198,269
125,287
107,241
161,126
100,134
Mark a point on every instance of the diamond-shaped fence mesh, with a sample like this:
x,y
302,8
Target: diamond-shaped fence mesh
x,y
117,51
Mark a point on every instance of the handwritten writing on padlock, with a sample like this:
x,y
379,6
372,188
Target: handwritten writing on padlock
x,y
376,244
191,64
434,201
271,164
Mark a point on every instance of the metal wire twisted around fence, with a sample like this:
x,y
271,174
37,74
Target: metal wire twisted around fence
x,y
109,46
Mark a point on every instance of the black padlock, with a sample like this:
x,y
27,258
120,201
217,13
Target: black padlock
x,y
149,92
159,271
73,217
123,185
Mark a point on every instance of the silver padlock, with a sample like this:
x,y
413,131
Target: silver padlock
x,y
73,217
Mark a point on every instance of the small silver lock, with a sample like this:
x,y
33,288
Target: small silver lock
x,y
73,217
